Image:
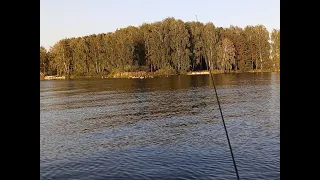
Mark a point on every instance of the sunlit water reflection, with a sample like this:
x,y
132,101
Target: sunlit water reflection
x,y
160,128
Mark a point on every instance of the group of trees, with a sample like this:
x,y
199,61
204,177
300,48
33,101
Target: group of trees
x,y
171,43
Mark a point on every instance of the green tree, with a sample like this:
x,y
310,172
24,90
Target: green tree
x,y
275,48
262,36
236,35
195,30
251,42
210,39
179,44
146,30
226,55
62,57
43,60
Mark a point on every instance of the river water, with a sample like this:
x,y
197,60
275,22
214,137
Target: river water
x,y
160,128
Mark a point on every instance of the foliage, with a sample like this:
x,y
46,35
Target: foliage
x,y
169,46
275,48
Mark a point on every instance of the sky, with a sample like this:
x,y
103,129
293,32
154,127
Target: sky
x,y
61,19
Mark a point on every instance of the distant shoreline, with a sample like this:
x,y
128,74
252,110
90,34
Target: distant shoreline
x,y
163,48
144,75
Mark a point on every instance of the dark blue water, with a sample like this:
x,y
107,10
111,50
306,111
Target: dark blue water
x,y
160,128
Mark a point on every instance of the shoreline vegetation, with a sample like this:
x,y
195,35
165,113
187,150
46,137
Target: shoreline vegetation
x,y
144,74
163,48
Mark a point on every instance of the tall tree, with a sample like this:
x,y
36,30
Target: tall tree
x,y
262,38
81,64
43,60
210,39
251,41
226,54
62,58
195,30
146,30
236,35
179,45
275,48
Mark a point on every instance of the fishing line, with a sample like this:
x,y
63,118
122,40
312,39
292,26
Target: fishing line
x,y
224,124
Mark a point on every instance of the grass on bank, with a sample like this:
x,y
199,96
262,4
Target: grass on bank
x,y
142,73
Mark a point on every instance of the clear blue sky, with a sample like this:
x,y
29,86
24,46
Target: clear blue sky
x,y
73,18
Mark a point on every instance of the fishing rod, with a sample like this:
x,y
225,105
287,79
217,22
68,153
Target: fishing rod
x,y
224,124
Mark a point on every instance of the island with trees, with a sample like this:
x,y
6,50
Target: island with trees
x,y
167,47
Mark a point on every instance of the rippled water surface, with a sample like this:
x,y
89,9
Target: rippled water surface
x,y
160,128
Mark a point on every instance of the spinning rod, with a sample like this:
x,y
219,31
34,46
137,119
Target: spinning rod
x,y
224,124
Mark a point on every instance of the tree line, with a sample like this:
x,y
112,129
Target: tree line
x,y
167,44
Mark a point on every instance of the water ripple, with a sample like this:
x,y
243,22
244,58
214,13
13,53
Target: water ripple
x,y
161,128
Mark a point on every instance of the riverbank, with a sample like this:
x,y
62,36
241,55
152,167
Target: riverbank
x,y
144,74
